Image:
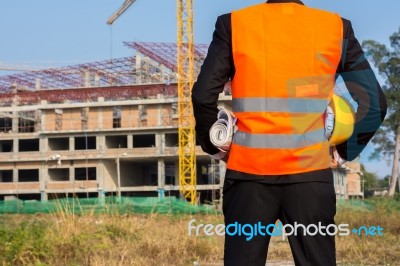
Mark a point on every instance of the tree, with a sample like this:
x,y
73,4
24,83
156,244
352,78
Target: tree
x,y
384,183
370,179
387,139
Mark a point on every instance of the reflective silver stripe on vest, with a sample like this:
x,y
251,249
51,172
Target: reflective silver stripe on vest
x,y
279,141
290,105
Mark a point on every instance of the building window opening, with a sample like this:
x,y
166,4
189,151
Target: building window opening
x,y
57,175
117,117
144,141
6,176
171,140
29,197
87,173
28,175
26,121
6,122
114,142
169,174
85,143
6,145
27,145
58,144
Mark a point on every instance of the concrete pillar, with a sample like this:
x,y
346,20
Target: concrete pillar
x,y
100,142
43,116
102,197
160,140
130,141
44,145
100,118
222,171
15,174
160,120
161,177
14,120
15,145
118,177
161,173
44,170
71,143
43,196
100,176
71,174
100,114
15,148
43,176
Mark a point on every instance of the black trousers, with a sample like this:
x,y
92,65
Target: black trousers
x,y
249,202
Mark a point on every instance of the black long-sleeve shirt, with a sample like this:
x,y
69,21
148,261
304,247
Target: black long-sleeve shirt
x,y
360,80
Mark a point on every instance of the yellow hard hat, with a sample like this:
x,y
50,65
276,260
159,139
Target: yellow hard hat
x,y
344,120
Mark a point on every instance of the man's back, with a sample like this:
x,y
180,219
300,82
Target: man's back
x,y
285,75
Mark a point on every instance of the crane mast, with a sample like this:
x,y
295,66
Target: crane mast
x,y
187,143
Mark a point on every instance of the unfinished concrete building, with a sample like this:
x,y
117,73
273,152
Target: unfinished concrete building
x,y
103,128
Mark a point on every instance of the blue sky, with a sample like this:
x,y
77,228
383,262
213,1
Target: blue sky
x,y
65,32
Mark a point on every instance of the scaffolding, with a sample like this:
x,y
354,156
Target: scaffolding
x,y
103,73
166,53
152,63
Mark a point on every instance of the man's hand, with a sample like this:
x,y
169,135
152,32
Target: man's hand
x,y
222,155
337,161
225,158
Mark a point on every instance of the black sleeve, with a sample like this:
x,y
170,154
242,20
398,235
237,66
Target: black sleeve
x,y
365,90
216,70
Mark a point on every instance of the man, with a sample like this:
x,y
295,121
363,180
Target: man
x,y
283,58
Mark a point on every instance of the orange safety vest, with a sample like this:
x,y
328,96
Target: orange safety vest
x,y
285,56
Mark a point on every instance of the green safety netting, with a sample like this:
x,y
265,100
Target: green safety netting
x,y
166,205
370,204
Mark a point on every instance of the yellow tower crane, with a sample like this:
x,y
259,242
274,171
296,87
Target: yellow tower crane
x,y
185,60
